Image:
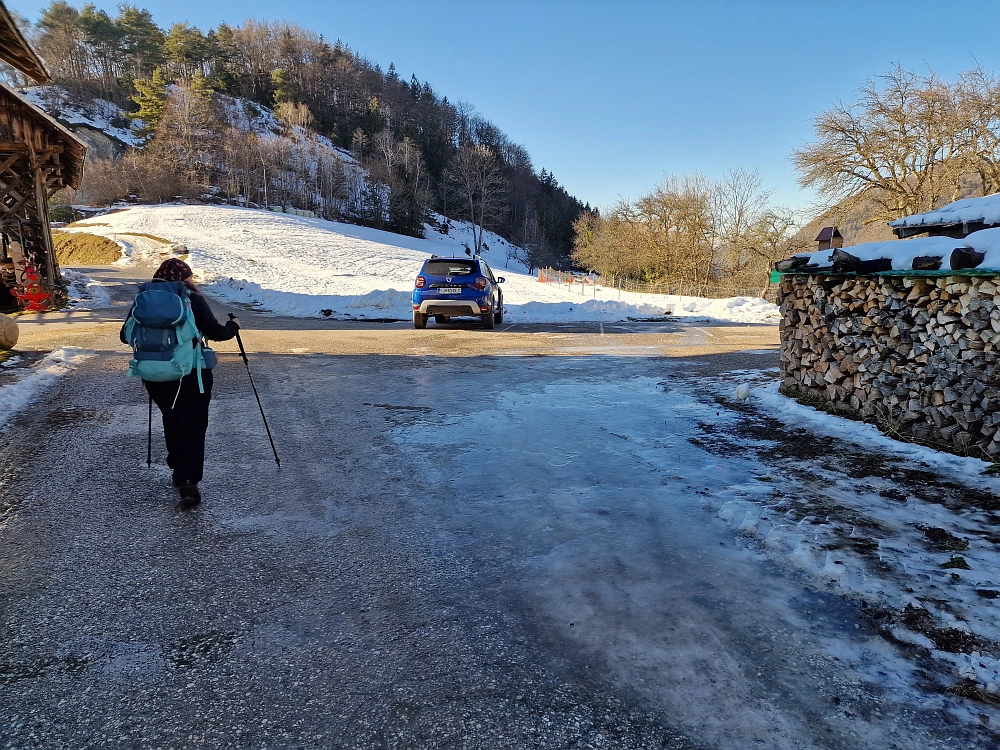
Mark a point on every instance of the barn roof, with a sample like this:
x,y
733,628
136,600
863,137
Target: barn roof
x,y
15,51
828,233
63,152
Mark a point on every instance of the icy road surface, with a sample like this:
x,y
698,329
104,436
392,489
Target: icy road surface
x,y
459,550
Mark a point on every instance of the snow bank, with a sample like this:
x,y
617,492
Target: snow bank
x,y
295,266
790,411
37,379
878,511
84,292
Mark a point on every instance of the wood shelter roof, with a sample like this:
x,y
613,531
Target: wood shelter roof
x,y
15,50
24,128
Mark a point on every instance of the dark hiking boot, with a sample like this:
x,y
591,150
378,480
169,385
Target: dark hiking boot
x,y
190,496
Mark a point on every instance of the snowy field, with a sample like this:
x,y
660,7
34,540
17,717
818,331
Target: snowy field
x,y
288,265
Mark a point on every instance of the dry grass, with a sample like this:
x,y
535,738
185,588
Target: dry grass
x,y
81,249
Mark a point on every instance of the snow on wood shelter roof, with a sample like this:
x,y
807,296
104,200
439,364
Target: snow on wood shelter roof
x,y
958,219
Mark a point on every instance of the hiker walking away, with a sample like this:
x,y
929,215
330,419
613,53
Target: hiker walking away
x,y
182,386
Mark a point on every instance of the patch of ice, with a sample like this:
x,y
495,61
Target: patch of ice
x,y
37,379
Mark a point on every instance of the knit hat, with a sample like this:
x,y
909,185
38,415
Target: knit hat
x,y
173,269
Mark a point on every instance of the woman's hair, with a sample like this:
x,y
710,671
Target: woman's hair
x,y
173,269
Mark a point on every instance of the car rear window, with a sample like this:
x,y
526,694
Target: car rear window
x,y
449,268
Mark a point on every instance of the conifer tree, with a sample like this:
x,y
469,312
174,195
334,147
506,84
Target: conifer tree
x,y
284,86
151,98
141,39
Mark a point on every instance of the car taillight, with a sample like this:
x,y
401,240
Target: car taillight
x,y
420,282
480,282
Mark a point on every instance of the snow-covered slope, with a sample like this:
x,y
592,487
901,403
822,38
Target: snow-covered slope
x,y
98,114
295,266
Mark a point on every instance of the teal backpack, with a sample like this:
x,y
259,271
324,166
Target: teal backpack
x,y
166,343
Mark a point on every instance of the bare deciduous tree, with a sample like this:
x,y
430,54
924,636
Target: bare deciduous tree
x,y
689,235
908,144
477,185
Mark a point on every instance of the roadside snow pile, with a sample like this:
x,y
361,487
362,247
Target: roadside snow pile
x,y
289,265
100,114
84,292
902,252
30,383
791,412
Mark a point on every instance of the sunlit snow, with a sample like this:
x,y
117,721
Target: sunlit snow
x,y
289,265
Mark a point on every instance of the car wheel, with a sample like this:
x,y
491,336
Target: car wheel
x,y
419,321
489,320
498,316
440,319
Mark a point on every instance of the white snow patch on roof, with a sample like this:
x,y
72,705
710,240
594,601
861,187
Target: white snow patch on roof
x,y
966,210
902,252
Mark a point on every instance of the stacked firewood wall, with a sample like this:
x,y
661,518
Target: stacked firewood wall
x,y
916,355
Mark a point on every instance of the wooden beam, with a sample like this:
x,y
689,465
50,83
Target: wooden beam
x,y
27,147
8,162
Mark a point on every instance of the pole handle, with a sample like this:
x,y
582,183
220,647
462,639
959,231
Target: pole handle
x,y
239,341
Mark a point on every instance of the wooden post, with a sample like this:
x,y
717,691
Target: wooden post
x,y
52,276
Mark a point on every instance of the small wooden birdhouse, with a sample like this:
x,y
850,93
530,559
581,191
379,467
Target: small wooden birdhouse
x,y
830,238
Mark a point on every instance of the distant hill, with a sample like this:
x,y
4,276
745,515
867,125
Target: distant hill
x,y
414,145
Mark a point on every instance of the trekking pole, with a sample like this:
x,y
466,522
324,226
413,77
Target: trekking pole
x,y
149,436
243,353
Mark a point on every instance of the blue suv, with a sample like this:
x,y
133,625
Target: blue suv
x,y
457,287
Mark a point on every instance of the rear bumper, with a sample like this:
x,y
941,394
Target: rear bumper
x,y
450,307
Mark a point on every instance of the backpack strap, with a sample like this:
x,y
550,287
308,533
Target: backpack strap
x,y
197,363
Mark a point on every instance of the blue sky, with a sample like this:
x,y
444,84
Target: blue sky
x,y
612,96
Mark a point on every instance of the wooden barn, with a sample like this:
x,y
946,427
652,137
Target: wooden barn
x,y
38,157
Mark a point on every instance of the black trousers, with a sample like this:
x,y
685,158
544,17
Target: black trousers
x,y
184,423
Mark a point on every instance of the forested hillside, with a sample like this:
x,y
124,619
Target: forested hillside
x,y
209,105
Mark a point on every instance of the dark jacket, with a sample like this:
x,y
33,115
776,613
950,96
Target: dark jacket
x,y
203,318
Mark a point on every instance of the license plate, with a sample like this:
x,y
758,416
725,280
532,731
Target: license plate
x,y
450,290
